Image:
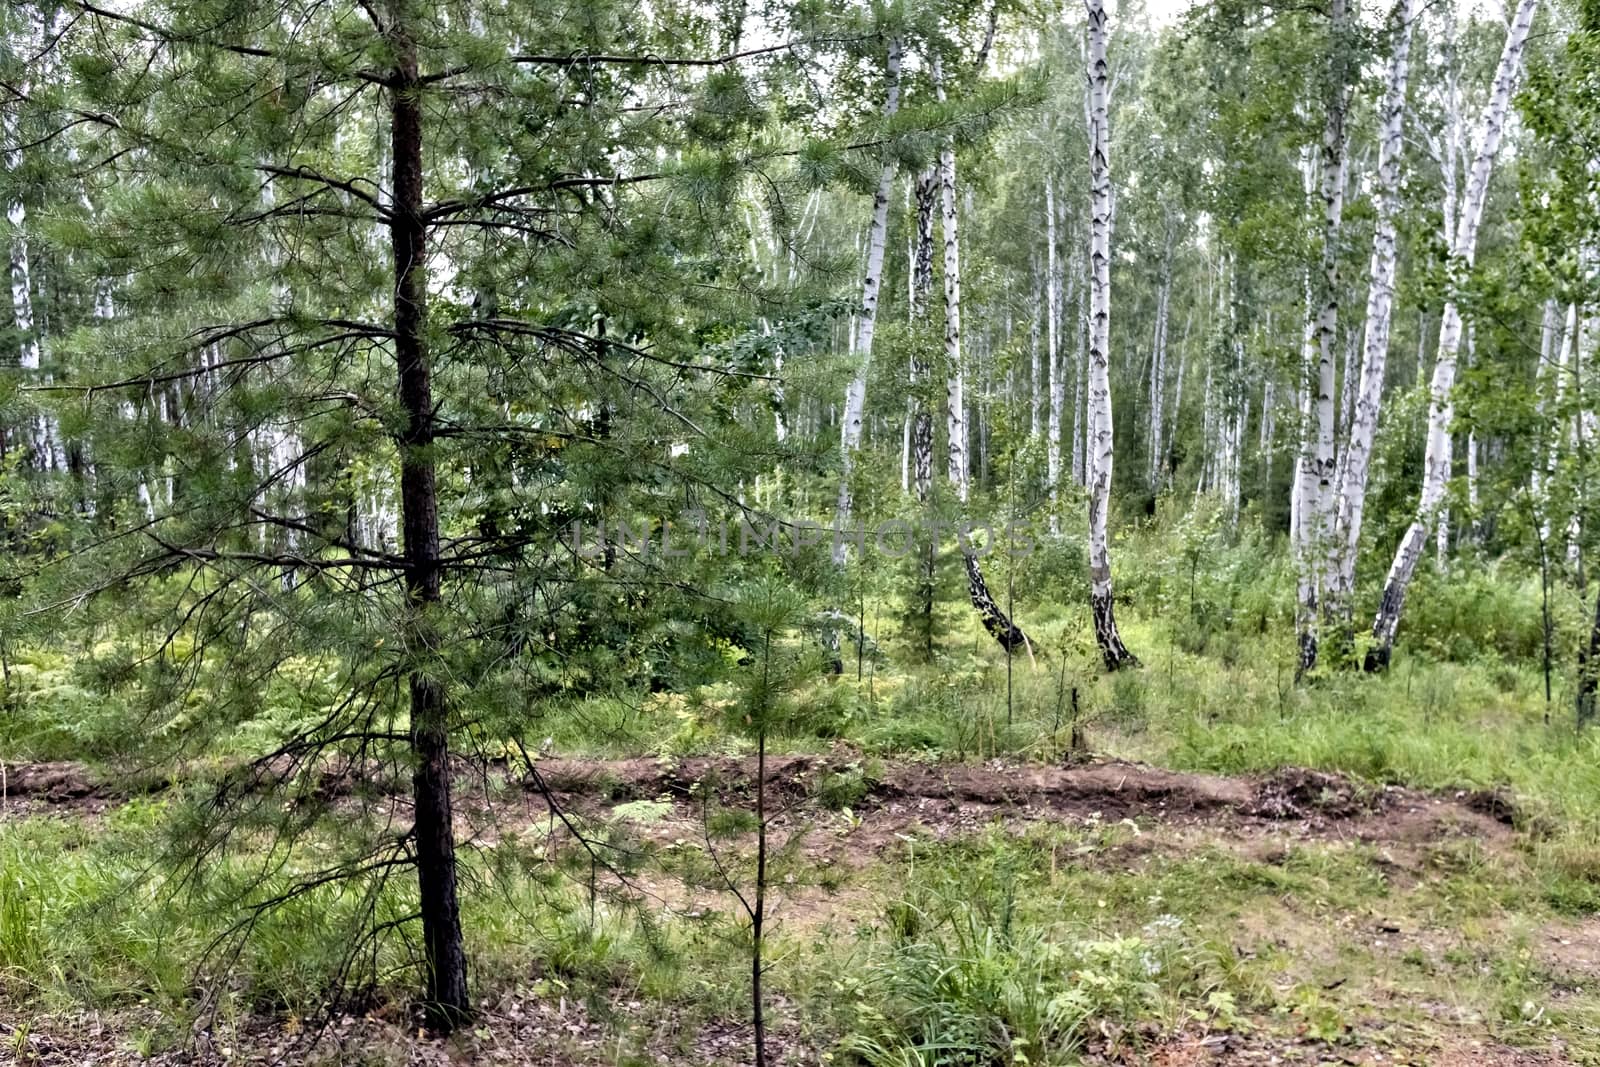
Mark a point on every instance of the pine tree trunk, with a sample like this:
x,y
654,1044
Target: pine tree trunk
x,y
433,833
1101,599
1441,408
865,324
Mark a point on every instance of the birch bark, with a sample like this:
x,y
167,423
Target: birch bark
x,y
955,377
1100,452
855,396
1318,481
1441,409
999,625
1058,385
1351,502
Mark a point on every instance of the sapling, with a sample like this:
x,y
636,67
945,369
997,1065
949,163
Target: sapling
x,y
771,611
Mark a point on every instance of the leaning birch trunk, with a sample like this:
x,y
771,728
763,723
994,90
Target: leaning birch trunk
x,y
1380,309
1441,409
1058,385
1318,481
995,621
855,396
1100,450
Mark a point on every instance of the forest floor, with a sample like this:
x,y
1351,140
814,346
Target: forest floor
x,y
1364,924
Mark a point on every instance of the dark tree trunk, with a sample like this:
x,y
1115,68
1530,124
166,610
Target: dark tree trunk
x,y
996,621
1112,650
446,990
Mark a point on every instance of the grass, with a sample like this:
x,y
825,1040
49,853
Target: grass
x,y
1005,946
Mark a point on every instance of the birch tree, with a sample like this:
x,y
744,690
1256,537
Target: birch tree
x,y
1441,408
1058,385
1317,459
855,395
955,373
1100,451
1351,503
999,625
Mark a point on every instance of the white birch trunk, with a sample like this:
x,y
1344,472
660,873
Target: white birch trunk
x,y
1347,409
955,377
1317,504
1036,381
921,288
855,397
44,437
1080,373
1207,438
994,619
1582,436
1544,465
1441,408
1380,311
1472,453
1058,385
1101,448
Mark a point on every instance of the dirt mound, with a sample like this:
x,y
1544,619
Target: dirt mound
x,y
691,777
1497,804
1298,793
1114,788
57,783
966,792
